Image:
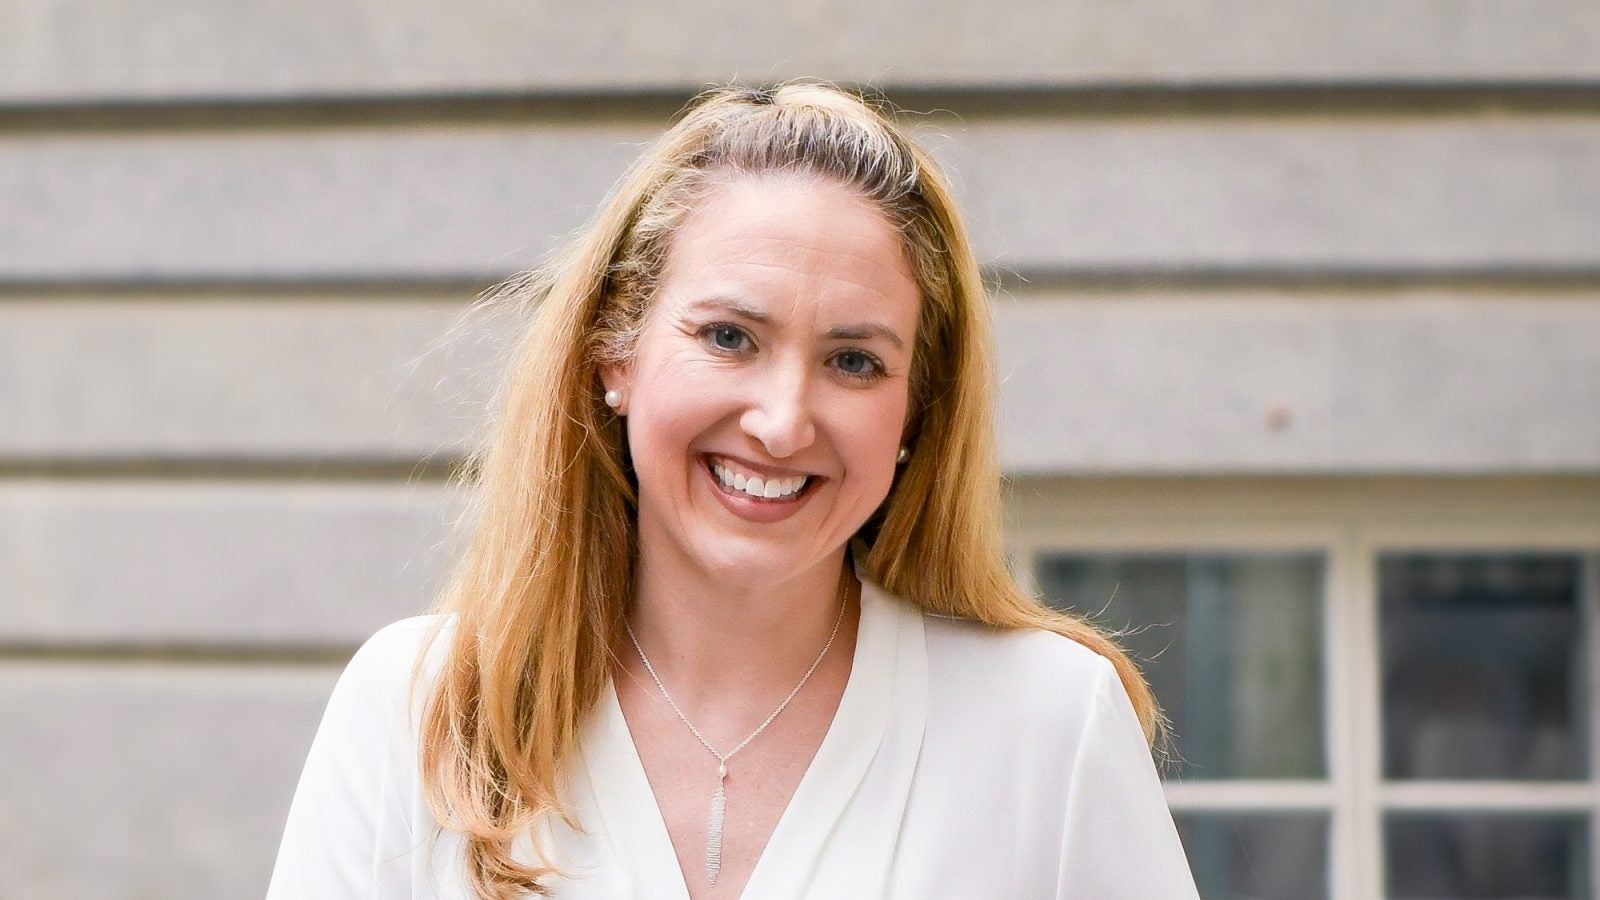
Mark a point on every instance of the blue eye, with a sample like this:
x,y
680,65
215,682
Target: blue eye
x,y
853,363
729,338
858,364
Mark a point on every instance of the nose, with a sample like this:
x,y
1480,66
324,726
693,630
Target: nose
x,y
779,414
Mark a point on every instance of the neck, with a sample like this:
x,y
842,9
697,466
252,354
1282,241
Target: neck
x,y
718,643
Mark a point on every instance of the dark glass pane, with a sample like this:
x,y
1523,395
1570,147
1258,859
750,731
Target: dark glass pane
x,y
1435,855
1482,666
1271,856
1231,644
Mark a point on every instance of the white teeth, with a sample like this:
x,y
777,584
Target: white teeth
x,y
756,486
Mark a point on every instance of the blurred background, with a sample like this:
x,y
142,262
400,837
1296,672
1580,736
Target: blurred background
x,y
1298,306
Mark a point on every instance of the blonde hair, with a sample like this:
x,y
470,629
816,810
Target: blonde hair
x,y
546,573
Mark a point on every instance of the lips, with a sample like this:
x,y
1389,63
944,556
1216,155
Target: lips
x,y
743,480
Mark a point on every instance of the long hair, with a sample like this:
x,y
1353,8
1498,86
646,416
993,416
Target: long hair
x,y
545,577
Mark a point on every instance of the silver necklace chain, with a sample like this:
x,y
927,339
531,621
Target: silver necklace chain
x,y
719,800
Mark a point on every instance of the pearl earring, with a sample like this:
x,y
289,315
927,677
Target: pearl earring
x,y
902,456
613,398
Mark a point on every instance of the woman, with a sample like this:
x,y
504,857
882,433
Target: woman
x,y
734,618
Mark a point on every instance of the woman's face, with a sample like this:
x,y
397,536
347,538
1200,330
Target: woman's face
x,y
768,391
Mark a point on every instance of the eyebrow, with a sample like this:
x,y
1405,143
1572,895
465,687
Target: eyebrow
x,y
734,307
853,332
866,330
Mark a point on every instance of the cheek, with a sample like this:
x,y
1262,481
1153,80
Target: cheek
x,y
674,403
891,419
875,440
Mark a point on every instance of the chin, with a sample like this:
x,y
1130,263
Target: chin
x,y
762,559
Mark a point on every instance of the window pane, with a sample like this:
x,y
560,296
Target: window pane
x,y
1434,855
1257,855
1482,666
1231,644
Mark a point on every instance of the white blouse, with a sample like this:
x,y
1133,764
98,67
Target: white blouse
x,y
963,761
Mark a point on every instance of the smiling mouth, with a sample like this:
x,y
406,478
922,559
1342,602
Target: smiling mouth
x,y
748,485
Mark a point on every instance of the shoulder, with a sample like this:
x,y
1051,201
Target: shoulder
x,y
400,641
1012,655
1023,682
398,644
374,705
351,821
381,671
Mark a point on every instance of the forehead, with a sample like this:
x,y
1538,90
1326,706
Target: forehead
x,y
809,244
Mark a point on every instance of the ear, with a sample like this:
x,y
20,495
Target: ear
x,y
615,377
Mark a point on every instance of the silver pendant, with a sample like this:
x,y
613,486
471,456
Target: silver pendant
x,y
719,806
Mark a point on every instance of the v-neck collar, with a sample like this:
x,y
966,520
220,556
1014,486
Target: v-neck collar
x,y
887,687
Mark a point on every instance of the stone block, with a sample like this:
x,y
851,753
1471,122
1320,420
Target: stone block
x,y
149,780
387,203
222,377
100,52
195,563
1418,383
1044,195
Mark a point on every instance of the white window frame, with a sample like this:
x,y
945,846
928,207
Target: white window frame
x,y
1351,521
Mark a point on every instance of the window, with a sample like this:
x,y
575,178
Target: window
x,y
1232,645
1379,688
1484,682
1482,666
